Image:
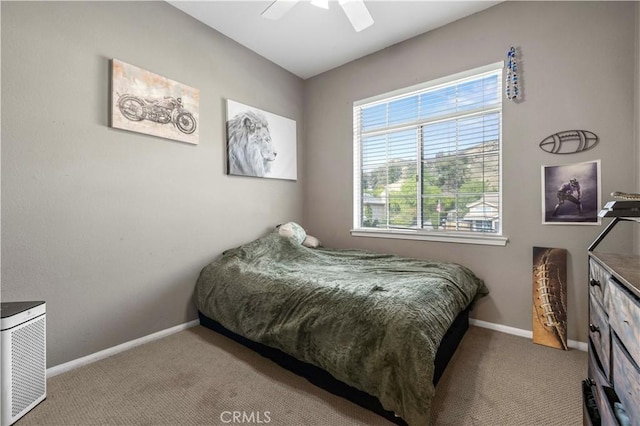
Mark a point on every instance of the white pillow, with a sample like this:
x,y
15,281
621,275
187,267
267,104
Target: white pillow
x,y
311,242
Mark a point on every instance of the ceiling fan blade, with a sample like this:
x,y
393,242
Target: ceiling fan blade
x,y
322,4
278,8
357,13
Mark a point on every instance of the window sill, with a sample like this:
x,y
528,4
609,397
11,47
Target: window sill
x,y
443,237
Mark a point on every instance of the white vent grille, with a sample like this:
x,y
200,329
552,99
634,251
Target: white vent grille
x,y
28,367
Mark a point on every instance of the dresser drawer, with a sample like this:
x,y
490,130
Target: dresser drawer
x,y
602,385
598,282
590,413
624,318
599,334
626,381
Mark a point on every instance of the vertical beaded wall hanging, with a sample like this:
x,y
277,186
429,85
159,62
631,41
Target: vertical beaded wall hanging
x,y
512,86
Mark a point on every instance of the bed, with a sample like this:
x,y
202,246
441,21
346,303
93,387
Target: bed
x,y
365,325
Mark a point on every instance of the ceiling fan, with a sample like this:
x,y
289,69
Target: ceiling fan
x,y
355,10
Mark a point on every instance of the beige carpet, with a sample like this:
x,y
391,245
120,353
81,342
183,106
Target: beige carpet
x,y
198,377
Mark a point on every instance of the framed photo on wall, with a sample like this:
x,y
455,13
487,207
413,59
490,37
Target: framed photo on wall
x,y
260,143
571,194
148,103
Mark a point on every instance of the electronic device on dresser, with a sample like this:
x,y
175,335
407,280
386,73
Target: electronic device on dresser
x,y
611,393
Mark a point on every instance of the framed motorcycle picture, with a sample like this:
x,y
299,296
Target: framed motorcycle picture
x,y
144,102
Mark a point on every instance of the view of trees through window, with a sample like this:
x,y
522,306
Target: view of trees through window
x,y
431,160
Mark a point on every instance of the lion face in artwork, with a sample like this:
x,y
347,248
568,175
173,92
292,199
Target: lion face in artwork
x,y
251,150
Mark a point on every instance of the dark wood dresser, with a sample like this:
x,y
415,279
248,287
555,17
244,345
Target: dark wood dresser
x,y
614,340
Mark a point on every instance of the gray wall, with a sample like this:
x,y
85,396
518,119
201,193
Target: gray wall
x,y
109,227
577,65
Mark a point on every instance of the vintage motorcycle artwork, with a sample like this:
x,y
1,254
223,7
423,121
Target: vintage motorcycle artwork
x,y
163,111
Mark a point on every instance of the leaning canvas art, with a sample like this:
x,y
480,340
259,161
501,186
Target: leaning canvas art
x,y
259,143
550,297
144,102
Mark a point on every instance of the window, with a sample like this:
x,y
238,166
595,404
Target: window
x,y
427,160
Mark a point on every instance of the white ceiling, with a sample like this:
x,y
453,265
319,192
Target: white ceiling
x,y
309,40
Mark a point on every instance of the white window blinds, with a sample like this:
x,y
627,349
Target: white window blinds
x,y
428,158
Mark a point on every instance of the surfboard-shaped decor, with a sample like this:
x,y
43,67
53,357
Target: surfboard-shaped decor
x,y
550,297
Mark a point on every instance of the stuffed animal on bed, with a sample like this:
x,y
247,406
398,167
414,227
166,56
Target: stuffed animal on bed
x,y
298,234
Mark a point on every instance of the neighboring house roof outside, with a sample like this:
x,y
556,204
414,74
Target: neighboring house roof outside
x,y
485,208
491,199
371,200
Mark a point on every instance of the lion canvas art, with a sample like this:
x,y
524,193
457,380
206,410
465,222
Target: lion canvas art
x,y
259,143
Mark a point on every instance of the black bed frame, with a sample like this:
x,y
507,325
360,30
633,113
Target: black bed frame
x,y
324,380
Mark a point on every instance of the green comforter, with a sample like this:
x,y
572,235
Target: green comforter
x,y
373,321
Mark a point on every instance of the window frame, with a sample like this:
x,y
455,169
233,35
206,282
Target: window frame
x,y
466,237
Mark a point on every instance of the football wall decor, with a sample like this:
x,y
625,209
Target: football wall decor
x,y
569,142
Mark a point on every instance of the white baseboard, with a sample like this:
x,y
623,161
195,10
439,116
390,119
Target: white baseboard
x,y
582,346
85,360
67,366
